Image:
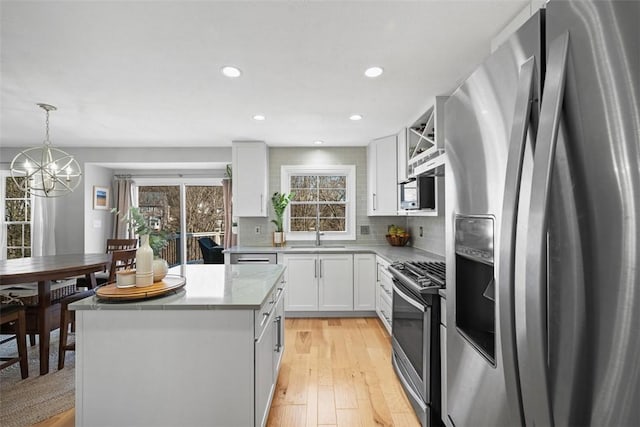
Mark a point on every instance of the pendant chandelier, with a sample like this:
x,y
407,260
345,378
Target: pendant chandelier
x,y
45,171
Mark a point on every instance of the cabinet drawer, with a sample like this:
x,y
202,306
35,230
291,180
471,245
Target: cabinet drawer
x,y
262,315
385,292
384,312
386,282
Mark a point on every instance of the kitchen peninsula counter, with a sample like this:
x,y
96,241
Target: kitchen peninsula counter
x,y
208,287
194,358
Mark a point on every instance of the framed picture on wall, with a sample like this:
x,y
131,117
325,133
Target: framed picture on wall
x,y
101,198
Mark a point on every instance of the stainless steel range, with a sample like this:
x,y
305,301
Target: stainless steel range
x,y
416,334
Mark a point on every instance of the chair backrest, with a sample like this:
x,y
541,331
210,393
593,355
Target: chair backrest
x,y
121,244
211,252
121,260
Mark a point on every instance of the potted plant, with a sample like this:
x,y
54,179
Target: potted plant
x,y
280,202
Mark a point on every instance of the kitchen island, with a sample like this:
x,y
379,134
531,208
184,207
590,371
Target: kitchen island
x,y
207,355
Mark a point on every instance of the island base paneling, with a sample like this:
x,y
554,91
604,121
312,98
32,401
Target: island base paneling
x,y
165,367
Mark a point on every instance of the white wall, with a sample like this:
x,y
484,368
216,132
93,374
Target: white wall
x,y
517,22
98,224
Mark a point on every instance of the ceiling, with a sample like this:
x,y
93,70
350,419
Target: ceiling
x,y
147,73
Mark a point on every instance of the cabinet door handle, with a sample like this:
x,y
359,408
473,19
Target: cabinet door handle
x,y
264,318
321,268
374,201
261,200
315,268
278,323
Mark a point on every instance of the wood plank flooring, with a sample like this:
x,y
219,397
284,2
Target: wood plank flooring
x,y
335,372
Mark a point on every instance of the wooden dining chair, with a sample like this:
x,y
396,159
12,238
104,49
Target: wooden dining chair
x,y
121,244
120,260
112,246
13,315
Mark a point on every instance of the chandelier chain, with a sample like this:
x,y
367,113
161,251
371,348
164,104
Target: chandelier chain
x,y
46,140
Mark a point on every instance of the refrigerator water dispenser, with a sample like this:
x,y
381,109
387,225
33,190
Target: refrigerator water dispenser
x,y
475,283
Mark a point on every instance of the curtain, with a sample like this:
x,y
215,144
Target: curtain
x,y
230,239
43,218
124,197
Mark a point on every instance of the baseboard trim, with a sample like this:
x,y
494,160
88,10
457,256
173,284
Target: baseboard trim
x,y
308,314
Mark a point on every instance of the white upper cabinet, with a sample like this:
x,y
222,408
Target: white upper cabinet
x,y
250,178
382,187
425,142
402,155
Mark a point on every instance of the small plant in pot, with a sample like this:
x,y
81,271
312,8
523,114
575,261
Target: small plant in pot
x,y
280,202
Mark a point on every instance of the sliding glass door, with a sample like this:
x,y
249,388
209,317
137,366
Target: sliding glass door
x,y
184,213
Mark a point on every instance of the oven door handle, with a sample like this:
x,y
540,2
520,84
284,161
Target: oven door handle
x,y
408,299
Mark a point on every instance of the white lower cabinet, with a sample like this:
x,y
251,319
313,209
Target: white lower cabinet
x,y
269,346
335,282
302,282
384,293
265,381
325,282
364,282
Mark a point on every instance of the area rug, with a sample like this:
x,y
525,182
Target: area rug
x,y
39,397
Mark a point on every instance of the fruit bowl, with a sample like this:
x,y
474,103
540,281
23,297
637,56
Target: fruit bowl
x,y
397,240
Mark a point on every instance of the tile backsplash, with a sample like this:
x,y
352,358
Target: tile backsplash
x,y
432,239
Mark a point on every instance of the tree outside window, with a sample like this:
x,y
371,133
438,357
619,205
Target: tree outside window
x,y
17,219
324,200
322,196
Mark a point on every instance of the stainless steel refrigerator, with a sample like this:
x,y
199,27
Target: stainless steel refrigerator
x,y
543,224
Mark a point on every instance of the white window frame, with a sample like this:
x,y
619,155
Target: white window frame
x,y
350,199
4,174
182,183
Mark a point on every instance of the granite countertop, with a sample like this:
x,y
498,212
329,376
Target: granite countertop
x,y
388,252
208,287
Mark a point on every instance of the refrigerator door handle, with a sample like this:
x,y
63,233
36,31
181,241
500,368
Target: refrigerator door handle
x,y
506,290
537,402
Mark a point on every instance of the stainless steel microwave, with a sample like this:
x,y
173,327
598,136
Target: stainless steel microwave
x,y
418,194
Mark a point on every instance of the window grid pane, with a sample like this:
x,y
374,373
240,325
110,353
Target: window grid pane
x,y
310,191
17,214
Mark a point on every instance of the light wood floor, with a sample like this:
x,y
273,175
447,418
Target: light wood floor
x,y
335,372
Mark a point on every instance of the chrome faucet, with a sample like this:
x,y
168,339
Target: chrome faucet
x,y
318,233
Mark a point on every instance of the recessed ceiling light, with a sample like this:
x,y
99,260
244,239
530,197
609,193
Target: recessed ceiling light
x,y
259,117
318,142
230,71
373,72
355,117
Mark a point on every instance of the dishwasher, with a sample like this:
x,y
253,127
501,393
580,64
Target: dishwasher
x,y
253,258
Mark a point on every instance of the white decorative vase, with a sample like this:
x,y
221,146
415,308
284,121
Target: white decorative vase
x,y
160,269
144,263
278,238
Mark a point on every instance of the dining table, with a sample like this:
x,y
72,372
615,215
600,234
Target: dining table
x,y
44,270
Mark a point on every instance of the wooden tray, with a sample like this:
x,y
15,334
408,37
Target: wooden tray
x,y
167,285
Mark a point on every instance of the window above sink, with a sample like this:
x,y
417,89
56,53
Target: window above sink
x,y
324,197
